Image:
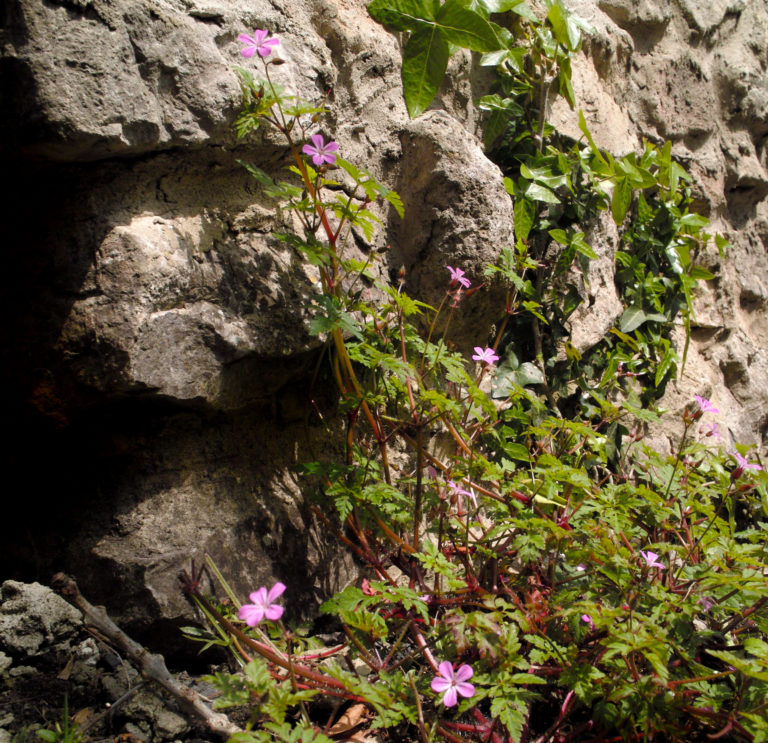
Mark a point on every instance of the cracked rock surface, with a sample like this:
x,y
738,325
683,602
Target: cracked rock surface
x,y
156,345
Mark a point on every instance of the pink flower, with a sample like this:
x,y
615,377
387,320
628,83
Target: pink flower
x,y
712,429
651,559
258,43
588,619
458,277
458,491
262,606
744,464
705,405
321,152
741,465
452,683
486,355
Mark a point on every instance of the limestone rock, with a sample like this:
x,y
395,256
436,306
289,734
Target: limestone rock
x,y
156,347
601,307
33,618
457,213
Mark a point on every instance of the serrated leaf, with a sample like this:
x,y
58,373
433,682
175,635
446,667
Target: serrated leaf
x,y
517,451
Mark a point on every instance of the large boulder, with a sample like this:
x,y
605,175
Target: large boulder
x,y
159,359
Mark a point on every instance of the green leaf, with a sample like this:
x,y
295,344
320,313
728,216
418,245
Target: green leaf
x,y
559,236
525,215
632,318
622,198
529,373
583,247
585,131
563,26
425,59
664,365
466,28
696,221
513,715
537,192
722,243
403,15
517,451
697,272
520,7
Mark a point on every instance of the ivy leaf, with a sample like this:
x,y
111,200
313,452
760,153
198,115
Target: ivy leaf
x,y
467,28
699,273
434,30
664,365
425,59
501,110
595,150
403,15
525,214
564,26
520,7
537,192
622,197
632,318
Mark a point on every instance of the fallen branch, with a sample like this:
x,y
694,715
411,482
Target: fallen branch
x,y
151,666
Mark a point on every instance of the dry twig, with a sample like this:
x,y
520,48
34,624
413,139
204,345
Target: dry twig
x,y
151,666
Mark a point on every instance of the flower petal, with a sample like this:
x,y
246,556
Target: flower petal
x,y
274,612
450,698
251,614
259,596
465,689
445,669
439,684
275,592
464,673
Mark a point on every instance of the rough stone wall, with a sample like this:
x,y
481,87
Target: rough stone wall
x,y
695,72
156,349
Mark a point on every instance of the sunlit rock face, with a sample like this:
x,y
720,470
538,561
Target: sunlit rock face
x,y
157,352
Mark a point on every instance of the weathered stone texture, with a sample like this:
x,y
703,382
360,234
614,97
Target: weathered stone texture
x,y
157,348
